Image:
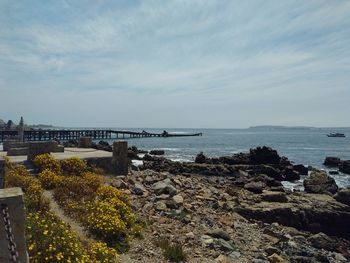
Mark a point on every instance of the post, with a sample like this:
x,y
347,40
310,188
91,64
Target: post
x,y
85,142
21,130
12,223
120,158
2,173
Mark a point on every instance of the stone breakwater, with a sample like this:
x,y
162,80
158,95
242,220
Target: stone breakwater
x,y
235,209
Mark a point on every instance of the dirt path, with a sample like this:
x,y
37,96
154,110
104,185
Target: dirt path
x,y
77,228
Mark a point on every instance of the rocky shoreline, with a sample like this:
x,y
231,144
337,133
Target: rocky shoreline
x,y
235,209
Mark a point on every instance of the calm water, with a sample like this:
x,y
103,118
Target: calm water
x,y
306,146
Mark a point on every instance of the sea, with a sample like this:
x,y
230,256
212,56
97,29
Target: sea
x,y
302,145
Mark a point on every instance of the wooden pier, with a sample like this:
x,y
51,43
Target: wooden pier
x,y
67,134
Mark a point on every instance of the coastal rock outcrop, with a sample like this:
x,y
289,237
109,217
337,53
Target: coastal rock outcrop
x,y
264,155
301,169
343,196
71,143
331,161
157,152
161,164
320,182
311,212
344,167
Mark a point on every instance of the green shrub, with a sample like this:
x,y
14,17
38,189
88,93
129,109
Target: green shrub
x,y
174,253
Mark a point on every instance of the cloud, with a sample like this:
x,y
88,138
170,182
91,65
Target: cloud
x,y
217,55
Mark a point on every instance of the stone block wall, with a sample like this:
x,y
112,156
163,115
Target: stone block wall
x,y
85,142
36,148
12,198
120,158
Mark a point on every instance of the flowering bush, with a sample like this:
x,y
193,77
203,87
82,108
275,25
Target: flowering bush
x,y
47,162
49,239
102,220
100,252
31,186
74,166
76,188
49,180
107,192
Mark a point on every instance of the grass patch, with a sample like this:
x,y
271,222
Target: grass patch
x,y
174,253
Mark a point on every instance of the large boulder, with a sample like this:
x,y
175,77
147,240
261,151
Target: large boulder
x,y
289,174
301,169
269,171
264,155
344,167
239,158
157,152
332,161
311,212
343,196
320,182
200,158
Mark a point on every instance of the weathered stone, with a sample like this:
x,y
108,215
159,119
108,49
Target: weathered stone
x,y
269,171
322,241
223,245
290,174
120,184
264,155
343,196
272,250
190,235
222,259
207,240
255,187
178,199
139,189
219,233
161,206
274,258
157,152
274,197
310,212
301,169
320,182
344,167
200,158
164,187
332,161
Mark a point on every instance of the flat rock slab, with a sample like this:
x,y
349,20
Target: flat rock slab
x,y
311,212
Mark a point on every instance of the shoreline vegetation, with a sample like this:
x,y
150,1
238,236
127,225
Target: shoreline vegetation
x,y
227,209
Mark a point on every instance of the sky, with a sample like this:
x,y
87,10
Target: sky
x,y
185,64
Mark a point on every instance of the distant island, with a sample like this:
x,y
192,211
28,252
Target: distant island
x,y
280,127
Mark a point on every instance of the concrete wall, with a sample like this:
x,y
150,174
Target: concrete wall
x,y
13,199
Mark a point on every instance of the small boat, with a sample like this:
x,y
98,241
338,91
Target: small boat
x,y
336,134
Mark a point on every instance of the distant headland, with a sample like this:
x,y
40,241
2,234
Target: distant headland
x,y
11,125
